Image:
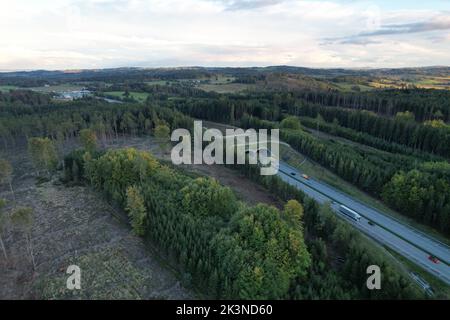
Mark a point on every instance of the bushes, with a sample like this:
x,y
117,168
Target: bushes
x,y
290,122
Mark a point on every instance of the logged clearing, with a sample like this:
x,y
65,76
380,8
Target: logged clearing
x,y
75,225
246,190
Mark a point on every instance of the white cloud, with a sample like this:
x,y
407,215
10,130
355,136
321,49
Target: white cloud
x,y
108,33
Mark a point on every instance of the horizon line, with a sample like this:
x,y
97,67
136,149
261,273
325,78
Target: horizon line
x,y
74,70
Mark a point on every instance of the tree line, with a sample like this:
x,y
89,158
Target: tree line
x,y
63,122
425,104
422,195
431,136
423,137
334,128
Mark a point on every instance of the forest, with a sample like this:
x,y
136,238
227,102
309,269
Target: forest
x,y
399,144
393,144
229,249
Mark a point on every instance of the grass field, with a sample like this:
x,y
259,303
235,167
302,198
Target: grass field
x,y
434,83
226,88
139,96
158,82
58,88
425,82
221,79
350,87
6,88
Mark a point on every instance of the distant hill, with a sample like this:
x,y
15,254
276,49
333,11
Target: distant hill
x,y
272,77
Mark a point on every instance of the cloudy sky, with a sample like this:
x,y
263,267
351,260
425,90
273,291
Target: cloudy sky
x,y
72,34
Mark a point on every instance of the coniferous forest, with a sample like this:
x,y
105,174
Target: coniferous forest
x,y
392,144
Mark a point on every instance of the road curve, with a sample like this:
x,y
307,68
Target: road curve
x,y
404,239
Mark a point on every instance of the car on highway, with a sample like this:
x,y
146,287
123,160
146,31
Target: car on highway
x,y
433,259
371,223
305,176
293,173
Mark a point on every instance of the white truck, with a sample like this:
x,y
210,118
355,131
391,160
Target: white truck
x,y
349,213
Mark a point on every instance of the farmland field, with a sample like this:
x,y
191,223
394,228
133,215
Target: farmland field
x,y
58,88
226,88
425,82
139,96
6,88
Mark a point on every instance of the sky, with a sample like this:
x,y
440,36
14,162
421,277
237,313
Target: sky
x,y
82,34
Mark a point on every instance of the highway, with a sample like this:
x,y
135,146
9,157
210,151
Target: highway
x,y
402,238
407,241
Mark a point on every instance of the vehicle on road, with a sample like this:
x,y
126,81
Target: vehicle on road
x,y
433,259
370,222
305,176
293,173
350,213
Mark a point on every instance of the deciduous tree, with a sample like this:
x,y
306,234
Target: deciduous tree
x,y
136,210
23,219
162,132
6,171
88,140
43,154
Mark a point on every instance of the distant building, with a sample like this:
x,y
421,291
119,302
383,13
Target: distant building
x,y
72,95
